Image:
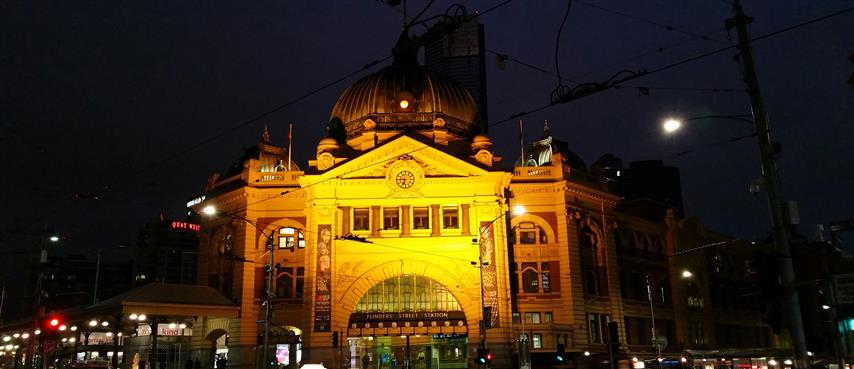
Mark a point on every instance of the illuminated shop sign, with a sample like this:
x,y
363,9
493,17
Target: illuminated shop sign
x,y
184,225
195,201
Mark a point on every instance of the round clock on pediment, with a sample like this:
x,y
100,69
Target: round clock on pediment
x,y
404,179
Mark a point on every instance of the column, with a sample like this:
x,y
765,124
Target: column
x,y
464,221
376,221
345,220
436,223
404,221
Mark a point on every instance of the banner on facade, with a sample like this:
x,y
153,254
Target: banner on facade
x,y
490,273
323,283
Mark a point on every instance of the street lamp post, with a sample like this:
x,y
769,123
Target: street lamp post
x,y
480,264
269,268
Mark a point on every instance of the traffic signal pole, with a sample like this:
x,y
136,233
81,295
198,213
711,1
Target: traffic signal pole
x,y
767,151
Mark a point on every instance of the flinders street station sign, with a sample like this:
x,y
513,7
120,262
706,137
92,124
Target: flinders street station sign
x,y
408,319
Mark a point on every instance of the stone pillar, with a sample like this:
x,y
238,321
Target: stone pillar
x,y
345,220
436,224
405,225
464,222
376,221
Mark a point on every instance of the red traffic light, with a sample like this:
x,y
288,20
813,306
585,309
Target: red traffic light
x,y
53,323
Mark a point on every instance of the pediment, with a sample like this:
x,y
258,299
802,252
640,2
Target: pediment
x,y
409,153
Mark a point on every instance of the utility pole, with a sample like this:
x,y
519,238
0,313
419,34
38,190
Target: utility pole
x,y
767,151
268,300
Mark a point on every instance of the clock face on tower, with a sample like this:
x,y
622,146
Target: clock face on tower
x,y
405,179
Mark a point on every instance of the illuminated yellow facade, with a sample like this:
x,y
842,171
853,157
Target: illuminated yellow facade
x,y
376,244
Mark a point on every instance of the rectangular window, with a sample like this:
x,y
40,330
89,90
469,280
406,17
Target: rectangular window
x,y
527,237
532,318
421,218
361,219
594,324
391,218
517,318
538,340
450,217
548,317
288,236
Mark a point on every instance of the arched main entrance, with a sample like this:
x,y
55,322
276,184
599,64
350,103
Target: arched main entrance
x,y
408,322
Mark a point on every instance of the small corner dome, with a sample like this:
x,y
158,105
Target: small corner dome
x,y
404,96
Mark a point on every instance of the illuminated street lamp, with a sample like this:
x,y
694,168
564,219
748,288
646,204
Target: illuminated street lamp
x,y
687,274
481,264
672,124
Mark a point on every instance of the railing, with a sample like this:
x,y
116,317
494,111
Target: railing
x,y
536,173
279,178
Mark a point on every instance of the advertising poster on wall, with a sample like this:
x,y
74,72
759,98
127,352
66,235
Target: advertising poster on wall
x,y
323,283
490,273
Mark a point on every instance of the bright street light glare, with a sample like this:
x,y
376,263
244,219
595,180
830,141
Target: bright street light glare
x,y
687,274
825,307
209,210
671,125
54,238
518,210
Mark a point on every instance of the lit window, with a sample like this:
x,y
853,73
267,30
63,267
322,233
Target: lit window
x,y
450,217
546,278
538,340
421,218
548,317
517,318
532,318
529,234
289,236
361,219
391,218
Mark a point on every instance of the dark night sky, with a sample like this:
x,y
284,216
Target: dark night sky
x,y
106,97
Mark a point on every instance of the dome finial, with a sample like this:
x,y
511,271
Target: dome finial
x,y
265,137
405,51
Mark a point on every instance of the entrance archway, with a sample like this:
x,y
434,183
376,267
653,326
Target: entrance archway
x,y
407,321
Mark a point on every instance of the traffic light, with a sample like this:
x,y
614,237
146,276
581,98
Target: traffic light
x,y
484,356
335,339
561,353
613,337
53,323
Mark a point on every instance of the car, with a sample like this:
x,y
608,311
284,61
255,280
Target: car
x,y
312,366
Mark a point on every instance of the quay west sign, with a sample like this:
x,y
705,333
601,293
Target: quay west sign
x,y
408,319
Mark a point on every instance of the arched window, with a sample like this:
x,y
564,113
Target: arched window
x,y
530,278
226,245
290,237
289,285
593,272
407,293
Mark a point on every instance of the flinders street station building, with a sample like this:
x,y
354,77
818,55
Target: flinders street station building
x,y
408,242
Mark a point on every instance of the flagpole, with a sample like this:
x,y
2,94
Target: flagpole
x,y
290,139
521,143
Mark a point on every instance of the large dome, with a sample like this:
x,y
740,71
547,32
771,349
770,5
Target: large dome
x,y
428,96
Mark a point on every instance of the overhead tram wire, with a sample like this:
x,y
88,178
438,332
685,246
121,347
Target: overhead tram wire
x,y
544,107
613,82
193,147
168,158
647,21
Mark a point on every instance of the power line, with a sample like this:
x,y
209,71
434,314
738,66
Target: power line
x,y
594,88
647,21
